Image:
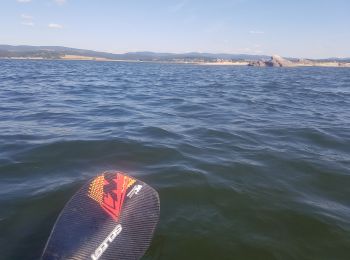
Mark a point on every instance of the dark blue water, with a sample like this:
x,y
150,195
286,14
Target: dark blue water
x,y
250,163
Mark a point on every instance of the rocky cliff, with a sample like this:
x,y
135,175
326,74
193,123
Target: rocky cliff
x,y
275,61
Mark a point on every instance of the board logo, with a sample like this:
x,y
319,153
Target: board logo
x,y
109,191
135,190
109,239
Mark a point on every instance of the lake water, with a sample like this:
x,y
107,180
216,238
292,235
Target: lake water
x,y
249,163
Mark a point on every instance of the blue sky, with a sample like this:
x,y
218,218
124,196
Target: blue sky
x,y
292,28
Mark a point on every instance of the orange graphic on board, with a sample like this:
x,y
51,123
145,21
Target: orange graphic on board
x,y
110,192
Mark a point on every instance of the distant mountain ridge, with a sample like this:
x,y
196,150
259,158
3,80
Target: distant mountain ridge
x,y
57,52
49,52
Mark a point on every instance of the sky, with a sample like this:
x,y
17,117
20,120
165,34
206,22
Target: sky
x,y
291,28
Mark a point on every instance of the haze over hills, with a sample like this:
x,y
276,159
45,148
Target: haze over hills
x,y
59,52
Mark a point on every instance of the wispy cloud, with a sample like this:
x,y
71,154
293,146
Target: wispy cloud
x,y
27,20
27,23
60,2
26,17
24,1
55,26
177,7
256,32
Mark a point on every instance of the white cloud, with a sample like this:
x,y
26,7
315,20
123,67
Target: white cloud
x,y
26,17
24,1
55,26
60,2
29,23
256,32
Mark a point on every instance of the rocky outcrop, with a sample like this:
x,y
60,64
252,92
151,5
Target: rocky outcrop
x,y
275,61
305,62
258,63
278,61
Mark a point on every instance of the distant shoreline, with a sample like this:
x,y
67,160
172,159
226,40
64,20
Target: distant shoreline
x,y
27,52
330,64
